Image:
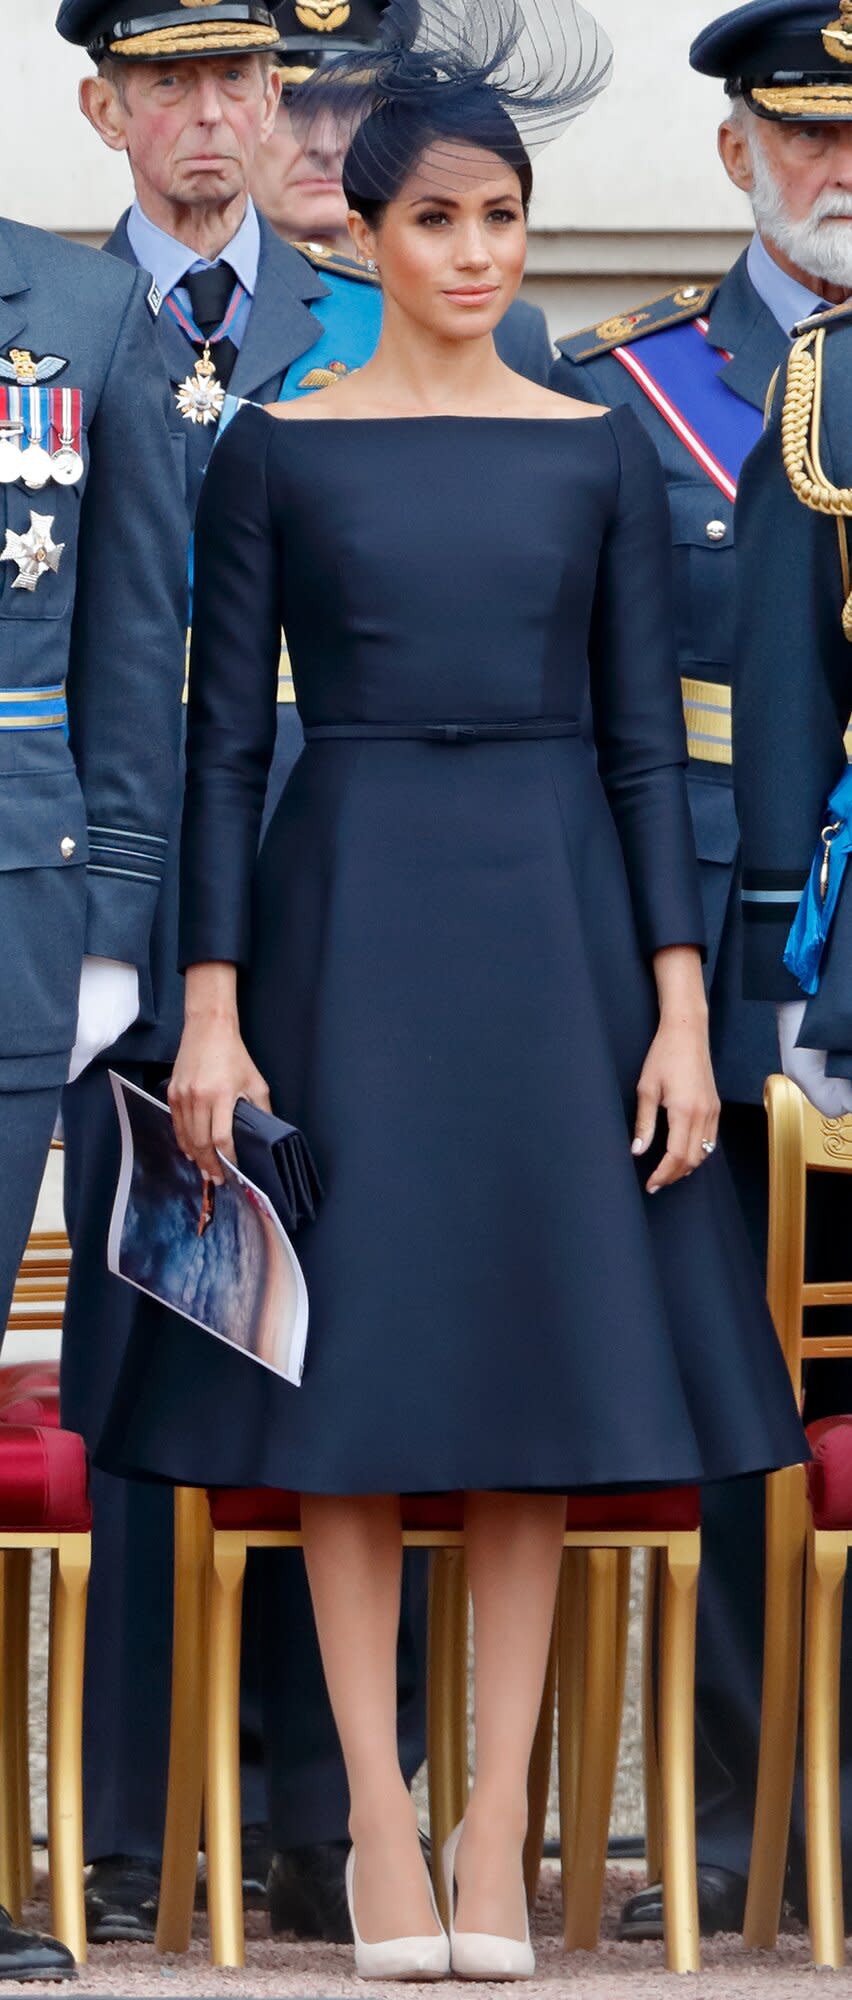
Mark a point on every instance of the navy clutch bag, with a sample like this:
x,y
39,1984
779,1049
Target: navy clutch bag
x,y
277,1157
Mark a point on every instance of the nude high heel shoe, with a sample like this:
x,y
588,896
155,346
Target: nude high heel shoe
x,y
397,1958
476,1954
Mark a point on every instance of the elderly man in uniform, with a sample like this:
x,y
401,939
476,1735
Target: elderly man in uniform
x,y
297,184
92,610
190,94
696,366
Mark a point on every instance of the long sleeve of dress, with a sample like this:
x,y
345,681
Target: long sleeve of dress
x,y
636,701
236,638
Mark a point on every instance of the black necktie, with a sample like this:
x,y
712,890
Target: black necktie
x,y
210,295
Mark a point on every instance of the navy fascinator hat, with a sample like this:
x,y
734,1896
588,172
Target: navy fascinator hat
x,y
454,75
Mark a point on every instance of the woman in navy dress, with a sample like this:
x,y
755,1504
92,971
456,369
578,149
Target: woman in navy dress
x,y
468,963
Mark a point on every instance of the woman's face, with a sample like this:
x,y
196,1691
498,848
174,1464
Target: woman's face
x,y
450,247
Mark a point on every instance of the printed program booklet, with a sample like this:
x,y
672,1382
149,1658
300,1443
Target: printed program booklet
x,y
217,1255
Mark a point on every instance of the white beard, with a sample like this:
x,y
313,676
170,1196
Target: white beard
x,y
816,245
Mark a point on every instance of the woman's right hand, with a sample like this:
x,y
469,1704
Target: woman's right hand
x,y
213,1070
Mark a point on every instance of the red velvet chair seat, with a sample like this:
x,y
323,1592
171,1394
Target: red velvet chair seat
x,y
676,1507
830,1472
44,1479
29,1393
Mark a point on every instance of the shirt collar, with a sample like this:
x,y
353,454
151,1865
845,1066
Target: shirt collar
x,y
168,260
788,301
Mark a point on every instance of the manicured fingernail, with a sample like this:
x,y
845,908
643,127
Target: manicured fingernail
x,y
638,1146
653,1190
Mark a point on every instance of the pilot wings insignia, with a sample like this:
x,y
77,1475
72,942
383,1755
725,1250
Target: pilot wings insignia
x,y
23,367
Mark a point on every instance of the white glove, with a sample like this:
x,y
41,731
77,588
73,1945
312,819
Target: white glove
x,y
832,1095
109,1003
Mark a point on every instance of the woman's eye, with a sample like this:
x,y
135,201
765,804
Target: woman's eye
x,y
502,215
434,215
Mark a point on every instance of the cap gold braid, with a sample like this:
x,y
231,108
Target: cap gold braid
x,y
200,36
815,100
800,434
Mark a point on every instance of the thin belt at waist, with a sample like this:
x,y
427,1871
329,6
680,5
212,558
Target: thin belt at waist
x,y
441,732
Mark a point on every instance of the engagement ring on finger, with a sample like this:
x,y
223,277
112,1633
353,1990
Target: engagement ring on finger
x,y
707,1147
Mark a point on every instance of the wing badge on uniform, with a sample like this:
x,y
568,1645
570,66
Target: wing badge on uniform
x,y
323,378
23,367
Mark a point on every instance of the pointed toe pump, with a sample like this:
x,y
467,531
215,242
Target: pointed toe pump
x,y
397,1958
476,1954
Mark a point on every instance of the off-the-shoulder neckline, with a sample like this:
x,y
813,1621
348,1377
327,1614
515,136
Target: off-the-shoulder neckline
x,y
445,417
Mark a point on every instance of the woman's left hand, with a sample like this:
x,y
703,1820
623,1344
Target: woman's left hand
x,y
678,1075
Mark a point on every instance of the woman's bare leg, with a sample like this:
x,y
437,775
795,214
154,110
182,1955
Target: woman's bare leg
x,y
353,1552
514,1545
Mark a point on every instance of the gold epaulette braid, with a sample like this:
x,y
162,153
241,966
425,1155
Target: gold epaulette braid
x,y
800,444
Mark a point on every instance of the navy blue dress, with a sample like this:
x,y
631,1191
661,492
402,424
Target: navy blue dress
x,y
446,980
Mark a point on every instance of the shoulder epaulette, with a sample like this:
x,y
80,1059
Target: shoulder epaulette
x,y
673,309
835,316
324,259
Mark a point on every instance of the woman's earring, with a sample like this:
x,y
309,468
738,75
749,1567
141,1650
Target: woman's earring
x,y
368,263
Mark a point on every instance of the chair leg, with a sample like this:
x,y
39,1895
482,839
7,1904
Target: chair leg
x,y
538,1783
571,1627
786,1515
18,1580
186,1728
827,1555
446,1722
69,1586
10,1870
222,1789
583,1894
650,1753
677,1751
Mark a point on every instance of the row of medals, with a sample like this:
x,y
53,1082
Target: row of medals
x,y
33,464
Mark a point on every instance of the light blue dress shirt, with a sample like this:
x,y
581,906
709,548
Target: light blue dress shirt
x,y
169,260
788,301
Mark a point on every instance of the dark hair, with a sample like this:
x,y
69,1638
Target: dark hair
x,y
400,133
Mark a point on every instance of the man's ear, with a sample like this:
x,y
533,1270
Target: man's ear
x,y
101,104
735,155
271,101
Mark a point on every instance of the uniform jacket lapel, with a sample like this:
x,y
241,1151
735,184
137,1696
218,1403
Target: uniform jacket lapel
x,y
740,322
178,353
14,286
280,325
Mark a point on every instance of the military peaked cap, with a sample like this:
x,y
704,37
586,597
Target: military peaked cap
x,y
154,32
313,30
790,61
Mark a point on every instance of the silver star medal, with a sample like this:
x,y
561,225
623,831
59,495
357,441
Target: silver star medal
x,y
35,552
201,397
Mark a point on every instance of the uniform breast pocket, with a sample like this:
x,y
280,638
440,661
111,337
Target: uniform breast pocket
x,y
703,538
43,854
38,558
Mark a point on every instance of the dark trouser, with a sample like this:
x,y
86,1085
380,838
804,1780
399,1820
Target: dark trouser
x,y
27,1118
128,1656
730,1619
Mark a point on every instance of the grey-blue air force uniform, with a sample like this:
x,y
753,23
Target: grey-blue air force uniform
x,y
90,673
300,304
696,366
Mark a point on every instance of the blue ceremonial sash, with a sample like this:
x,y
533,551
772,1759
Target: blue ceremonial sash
x,y
803,953
680,373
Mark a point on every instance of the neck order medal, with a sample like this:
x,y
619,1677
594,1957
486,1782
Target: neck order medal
x,y
201,396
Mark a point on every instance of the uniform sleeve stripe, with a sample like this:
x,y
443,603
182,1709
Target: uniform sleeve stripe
x,y
126,834
128,853
771,896
127,874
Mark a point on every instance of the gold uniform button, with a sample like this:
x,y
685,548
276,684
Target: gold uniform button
x,y
716,531
67,847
